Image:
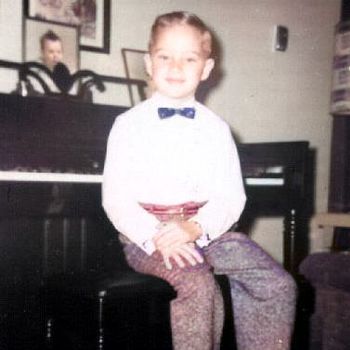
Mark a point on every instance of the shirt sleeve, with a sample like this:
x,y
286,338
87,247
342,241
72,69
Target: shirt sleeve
x,y
226,190
118,195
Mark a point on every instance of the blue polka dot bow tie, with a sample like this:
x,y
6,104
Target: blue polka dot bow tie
x,y
169,112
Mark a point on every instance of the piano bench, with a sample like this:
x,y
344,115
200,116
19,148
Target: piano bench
x,y
127,310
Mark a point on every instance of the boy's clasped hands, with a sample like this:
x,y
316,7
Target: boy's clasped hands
x,y
175,241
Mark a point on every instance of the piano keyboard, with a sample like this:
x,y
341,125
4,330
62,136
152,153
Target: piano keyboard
x,y
49,177
264,181
96,178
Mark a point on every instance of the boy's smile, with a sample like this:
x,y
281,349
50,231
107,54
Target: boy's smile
x,y
177,62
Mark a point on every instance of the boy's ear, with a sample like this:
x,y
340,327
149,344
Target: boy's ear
x,y
208,67
148,63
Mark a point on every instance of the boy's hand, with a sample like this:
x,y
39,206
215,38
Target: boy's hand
x,y
174,240
176,233
182,255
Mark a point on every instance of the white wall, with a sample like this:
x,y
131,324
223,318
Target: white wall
x,y
10,40
264,95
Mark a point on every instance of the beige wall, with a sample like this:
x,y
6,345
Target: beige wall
x,y
264,95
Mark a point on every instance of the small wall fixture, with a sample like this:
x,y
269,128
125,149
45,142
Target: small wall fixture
x,y
280,38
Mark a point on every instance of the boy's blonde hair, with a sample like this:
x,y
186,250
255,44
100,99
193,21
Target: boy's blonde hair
x,y
182,18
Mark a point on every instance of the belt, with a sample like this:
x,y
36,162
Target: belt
x,y
181,212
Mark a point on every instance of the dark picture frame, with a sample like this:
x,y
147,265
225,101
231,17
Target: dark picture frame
x,y
91,16
34,28
134,65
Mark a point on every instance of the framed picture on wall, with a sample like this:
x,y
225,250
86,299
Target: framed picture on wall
x,y
134,66
92,17
69,36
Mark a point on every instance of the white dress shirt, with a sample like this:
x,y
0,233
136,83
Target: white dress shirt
x,y
171,161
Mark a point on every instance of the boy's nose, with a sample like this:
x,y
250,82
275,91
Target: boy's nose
x,y
176,64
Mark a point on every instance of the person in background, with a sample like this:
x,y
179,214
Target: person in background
x,y
52,54
172,187
51,49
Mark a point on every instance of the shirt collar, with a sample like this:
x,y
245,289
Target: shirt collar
x,y
159,100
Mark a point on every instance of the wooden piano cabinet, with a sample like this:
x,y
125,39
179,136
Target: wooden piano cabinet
x,y
287,168
50,228
339,190
51,219
47,229
63,139
339,186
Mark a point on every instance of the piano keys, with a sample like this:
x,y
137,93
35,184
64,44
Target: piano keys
x,y
35,176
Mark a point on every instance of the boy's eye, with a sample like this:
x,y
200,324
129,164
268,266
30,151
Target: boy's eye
x,y
191,59
163,57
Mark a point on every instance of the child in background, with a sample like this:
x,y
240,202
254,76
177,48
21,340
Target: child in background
x,y
51,49
173,188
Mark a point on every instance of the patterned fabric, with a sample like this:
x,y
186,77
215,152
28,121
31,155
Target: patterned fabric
x,y
183,211
263,295
197,312
169,112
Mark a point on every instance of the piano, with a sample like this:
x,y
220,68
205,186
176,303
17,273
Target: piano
x,y
278,178
51,161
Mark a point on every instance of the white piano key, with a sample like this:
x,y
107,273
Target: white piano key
x,y
264,181
94,178
49,177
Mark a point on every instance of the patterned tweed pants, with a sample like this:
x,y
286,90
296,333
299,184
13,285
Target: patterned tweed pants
x,y
263,295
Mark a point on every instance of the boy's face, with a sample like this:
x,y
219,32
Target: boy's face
x,y
52,53
177,62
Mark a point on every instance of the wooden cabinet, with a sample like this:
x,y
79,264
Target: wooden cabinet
x,y
339,190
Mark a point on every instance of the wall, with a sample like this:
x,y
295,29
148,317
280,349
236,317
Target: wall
x,y
264,95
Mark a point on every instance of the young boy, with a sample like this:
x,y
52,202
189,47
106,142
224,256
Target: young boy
x,y
173,188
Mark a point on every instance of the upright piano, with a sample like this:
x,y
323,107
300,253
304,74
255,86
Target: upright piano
x,y
51,160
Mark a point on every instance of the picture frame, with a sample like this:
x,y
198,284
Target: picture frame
x,y
91,16
134,66
33,29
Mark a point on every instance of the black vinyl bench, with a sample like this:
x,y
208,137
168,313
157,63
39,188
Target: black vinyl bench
x,y
123,310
